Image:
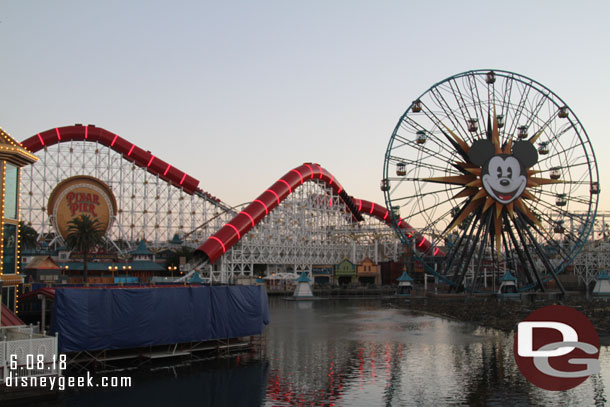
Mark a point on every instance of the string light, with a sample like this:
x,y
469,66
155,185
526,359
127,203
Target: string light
x,y
17,147
2,220
17,213
21,156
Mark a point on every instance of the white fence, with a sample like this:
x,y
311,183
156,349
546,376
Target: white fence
x,y
24,352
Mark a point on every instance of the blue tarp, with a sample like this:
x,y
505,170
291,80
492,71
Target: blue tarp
x,y
120,318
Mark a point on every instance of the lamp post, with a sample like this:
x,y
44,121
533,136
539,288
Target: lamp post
x,y
112,269
126,270
172,269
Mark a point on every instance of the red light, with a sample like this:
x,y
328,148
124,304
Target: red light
x,y
330,202
300,176
331,179
86,132
422,242
114,141
224,250
235,229
58,135
276,195
321,170
131,150
151,160
183,178
372,208
262,203
360,205
167,169
310,169
340,189
435,251
248,215
399,222
40,138
386,214
287,184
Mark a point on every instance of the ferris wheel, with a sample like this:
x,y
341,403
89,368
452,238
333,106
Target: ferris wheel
x,y
498,171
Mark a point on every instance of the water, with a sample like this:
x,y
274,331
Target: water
x,y
354,353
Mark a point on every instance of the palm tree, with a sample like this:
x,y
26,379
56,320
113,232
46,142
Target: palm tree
x,y
28,236
84,234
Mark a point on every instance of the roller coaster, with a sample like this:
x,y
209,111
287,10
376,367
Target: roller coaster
x,y
305,218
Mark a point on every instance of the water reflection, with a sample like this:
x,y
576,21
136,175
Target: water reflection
x,y
217,383
353,353
371,353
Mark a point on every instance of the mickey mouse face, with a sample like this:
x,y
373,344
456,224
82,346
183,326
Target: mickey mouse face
x,y
504,176
502,179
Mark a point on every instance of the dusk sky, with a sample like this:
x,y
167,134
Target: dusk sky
x,y
237,93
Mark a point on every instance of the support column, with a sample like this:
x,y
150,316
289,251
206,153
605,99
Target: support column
x,y
43,317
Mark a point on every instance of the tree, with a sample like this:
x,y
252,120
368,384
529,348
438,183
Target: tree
x,y
84,234
28,236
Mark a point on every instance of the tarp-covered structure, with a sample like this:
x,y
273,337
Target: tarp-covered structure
x,y
121,318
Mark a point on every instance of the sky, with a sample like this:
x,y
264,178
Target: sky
x,y
237,93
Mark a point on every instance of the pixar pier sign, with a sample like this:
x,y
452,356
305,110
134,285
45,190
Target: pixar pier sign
x,y
83,202
78,196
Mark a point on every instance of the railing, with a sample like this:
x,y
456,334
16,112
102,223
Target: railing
x,y
23,352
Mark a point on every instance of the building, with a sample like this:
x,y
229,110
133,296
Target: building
x,y
508,284
44,269
303,288
345,272
322,274
367,272
13,156
405,284
143,265
18,339
602,284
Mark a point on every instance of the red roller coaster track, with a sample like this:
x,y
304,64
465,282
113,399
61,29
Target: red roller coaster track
x,y
232,232
130,152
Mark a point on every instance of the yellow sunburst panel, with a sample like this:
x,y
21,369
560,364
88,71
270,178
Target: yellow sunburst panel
x,y
479,195
536,181
474,171
495,134
476,183
489,201
535,137
510,208
509,147
457,139
526,211
499,208
465,193
471,207
455,180
528,195
530,215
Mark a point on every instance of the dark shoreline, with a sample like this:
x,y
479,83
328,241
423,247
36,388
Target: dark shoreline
x,y
485,310
503,314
